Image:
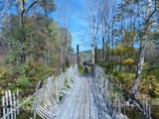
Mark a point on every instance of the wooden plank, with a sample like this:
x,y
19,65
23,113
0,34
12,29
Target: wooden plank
x,y
40,114
143,105
4,108
6,96
10,103
35,99
43,115
46,112
146,109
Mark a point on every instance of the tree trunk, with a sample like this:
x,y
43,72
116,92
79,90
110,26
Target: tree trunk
x,y
22,34
46,14
139,69
66,49
142,48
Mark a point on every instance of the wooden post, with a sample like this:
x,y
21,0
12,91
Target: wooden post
x,y
96,54
54,88
93,54
36,99
119,99
93,59
119,104
115,103
124,106
103,48
57,91
78,60
106,88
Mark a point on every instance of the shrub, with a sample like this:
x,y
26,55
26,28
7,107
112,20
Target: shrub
x,y
81,69
3,73
157,89
125,79
20,69
23,82
128,61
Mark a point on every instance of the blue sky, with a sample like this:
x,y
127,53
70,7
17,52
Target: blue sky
x,y
71,14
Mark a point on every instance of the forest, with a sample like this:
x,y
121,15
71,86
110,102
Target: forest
x,y
32,44
125,33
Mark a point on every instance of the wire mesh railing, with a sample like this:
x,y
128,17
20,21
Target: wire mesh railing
x,y
114,96
47,99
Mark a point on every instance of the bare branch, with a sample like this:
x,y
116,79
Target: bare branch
x,y
31,5
152,13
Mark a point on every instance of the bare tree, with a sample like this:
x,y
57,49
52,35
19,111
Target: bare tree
x,y
143,36
146,15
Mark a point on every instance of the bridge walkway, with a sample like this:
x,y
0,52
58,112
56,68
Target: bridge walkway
x,y
80,103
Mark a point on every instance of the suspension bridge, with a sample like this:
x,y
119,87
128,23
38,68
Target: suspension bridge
x,y
74,96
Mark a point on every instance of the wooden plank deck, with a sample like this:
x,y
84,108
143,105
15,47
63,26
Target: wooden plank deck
x,y
80,104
